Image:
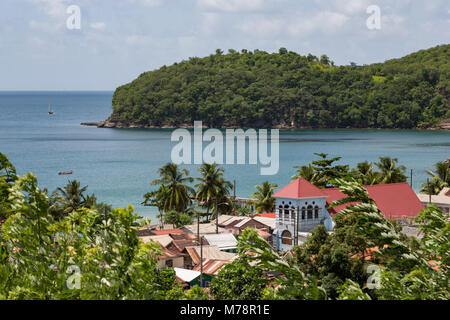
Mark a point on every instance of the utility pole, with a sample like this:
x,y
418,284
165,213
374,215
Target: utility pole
x,y
201,263
296,226
429,191
198,226
217,217
411,178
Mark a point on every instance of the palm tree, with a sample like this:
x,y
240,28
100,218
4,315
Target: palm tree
x,y
264,202
440,178
68,199
310,174
389,172
365,174
212,189
174,193
7,170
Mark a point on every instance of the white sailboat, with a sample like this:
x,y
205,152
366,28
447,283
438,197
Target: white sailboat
x,y
50,111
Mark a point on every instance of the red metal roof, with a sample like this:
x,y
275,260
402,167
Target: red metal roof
x,y
299,188
266,215
395,200
169,231
263,233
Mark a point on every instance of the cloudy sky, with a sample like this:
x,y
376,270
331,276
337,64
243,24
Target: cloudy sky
x,y
120,39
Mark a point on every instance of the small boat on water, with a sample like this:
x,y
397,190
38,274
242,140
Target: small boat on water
x,y
50,111
65,172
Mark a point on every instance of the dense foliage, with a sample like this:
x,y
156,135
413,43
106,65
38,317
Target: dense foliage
x,y
285,89
440,178
68,246
324,172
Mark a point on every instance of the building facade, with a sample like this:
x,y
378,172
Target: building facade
x,y
300,207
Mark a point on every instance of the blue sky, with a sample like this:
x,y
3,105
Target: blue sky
x,y
120,39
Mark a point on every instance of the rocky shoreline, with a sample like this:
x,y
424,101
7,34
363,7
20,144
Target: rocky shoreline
x,y
116,122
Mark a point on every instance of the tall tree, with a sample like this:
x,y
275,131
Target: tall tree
x,y
264,202
213,188
174,192
389,171
68,199
440,178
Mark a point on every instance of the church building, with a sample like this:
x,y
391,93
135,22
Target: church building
x,y
301,206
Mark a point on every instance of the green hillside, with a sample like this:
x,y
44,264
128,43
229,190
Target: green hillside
x,y
258,89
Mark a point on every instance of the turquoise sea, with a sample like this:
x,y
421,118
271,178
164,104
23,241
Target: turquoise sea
x,y
119,164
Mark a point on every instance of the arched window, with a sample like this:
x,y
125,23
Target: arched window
x,y
303,213
310,212
286,237
316,212
286,212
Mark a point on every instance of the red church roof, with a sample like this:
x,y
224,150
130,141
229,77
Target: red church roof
x,y
299,188
395,200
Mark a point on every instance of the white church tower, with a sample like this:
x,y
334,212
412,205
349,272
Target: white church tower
x,y
300,207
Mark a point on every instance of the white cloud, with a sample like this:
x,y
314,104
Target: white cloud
x,y
210,22
53,8
328,22
234,5
147,3
300,25
345,6
97,25
47,27
263,26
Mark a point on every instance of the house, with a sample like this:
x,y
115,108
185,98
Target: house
x,y
301,206
236,225
164,240
211,267
190,278
167,231
224,241
442,200
170,258
205,228
208,253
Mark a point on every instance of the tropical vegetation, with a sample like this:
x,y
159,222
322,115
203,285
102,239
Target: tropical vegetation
x,y
289,90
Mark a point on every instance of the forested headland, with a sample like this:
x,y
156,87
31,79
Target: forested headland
x,y
257,89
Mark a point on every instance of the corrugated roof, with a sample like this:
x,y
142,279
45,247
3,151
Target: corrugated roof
x,y
167,253
270,222
221,240
209,252
205,228
168,231
265,215
164,240
299,188
395,200
211,266
439,199
186,275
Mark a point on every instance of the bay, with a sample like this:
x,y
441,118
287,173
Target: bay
x,y
119,164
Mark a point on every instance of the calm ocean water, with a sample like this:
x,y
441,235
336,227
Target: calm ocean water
x,y
118,165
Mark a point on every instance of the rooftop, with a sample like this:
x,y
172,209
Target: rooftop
x,y
395,200
299,188
222,240
186,275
